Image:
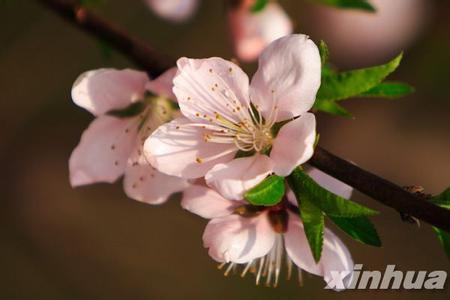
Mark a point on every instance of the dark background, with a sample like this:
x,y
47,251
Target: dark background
x,y
93,243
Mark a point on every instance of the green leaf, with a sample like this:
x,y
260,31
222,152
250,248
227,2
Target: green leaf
x,y
343,85
259,5
331,204
332,107
442,199
444,238
269,192
359,228
349,4
324,52
130,111
389,90
313,223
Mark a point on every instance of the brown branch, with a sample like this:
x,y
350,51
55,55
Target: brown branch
x,y
380,189
146,57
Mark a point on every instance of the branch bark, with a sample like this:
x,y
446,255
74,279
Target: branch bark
x,y
380,189
154,63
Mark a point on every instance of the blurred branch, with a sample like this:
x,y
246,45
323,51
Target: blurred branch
x,y
146,57
137,50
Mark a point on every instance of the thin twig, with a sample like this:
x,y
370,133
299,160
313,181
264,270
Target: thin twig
x,y
154,63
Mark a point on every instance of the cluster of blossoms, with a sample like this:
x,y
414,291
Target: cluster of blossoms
x,y
228,135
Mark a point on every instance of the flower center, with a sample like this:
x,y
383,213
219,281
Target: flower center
x,y
250,133
233,121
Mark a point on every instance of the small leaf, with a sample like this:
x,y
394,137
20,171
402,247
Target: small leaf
x,y
130,111
313,223
349,4
269,192
444,238
259,5
324,52
359,228
343,85
389,90
331,107
329,203
442,199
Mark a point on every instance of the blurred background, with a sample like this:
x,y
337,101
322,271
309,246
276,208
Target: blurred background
x,y
93,243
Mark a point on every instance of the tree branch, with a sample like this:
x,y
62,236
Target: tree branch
x,y
154,63
380,189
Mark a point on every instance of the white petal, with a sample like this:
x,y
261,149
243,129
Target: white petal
x,y
163,85
207,203
237,239
144,183
252,32
205,87
100,91
288,77
234,178
330,183
173,10
103,151
335,256
294,144
181,150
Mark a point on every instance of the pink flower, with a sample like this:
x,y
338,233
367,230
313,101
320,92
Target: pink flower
x,y
173,10
224,116
253,31
264,238
112,145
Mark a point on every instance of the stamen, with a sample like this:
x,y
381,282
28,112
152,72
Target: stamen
x,y
229,269
268,266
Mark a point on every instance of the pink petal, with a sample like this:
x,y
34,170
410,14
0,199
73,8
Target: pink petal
x,y
173,10
207,203
163,85
335,256
288,77
234,178
294,144
330,183
102,90
206,87
178,149
144,183
103,151
237,239
252,32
